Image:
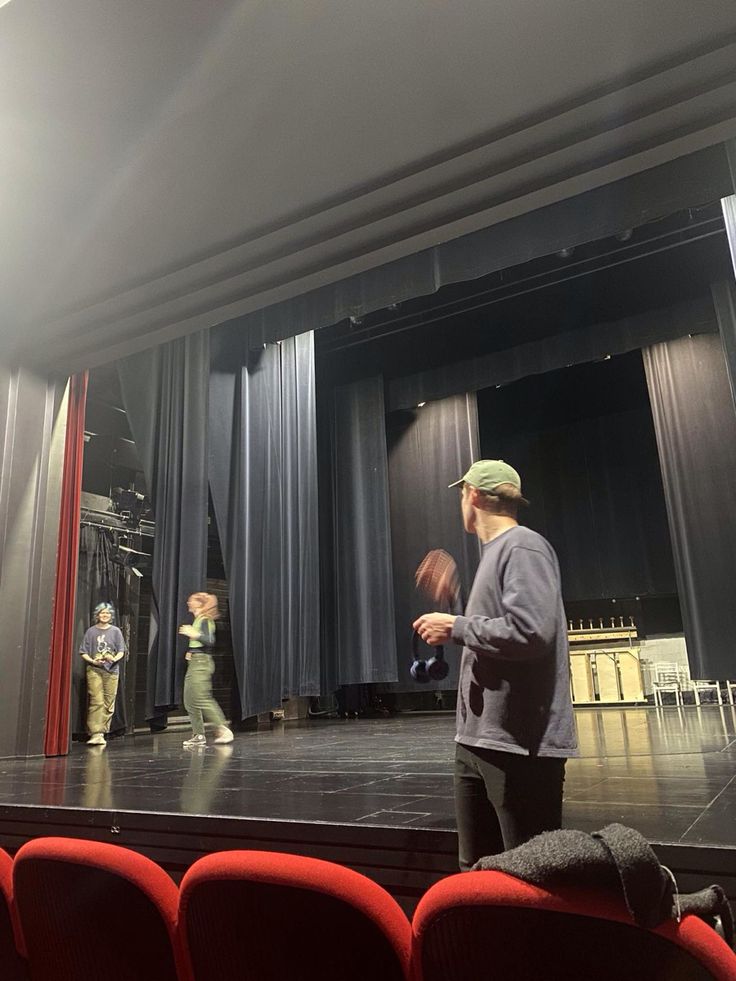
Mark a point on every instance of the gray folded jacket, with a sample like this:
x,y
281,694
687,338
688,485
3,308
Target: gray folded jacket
x,y
619,859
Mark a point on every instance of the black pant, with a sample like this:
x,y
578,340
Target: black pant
x,y
503,800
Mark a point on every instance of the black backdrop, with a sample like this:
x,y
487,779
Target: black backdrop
x,y
583,440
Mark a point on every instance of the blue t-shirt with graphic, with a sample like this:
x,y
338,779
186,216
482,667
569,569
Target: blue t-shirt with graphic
x,y
103,640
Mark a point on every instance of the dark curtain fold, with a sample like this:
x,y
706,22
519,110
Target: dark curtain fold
x,y
362,576
165,392
98,581
695,424
428,448
56,736
263,477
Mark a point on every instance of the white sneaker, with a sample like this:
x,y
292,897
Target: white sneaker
x,y
224,735
195,742
96,739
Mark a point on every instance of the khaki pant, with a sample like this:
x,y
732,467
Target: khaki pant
x,y
199,702
102,687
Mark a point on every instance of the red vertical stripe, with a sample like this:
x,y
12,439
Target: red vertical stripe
x,y
56,740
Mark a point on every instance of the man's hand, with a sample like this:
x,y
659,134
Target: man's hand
x,y
434,628
188,631
438,576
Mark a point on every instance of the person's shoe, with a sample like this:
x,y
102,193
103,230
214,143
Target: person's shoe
x,y
223,735
96,739
195,742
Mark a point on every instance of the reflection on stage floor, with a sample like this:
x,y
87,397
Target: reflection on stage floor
x,y
671,773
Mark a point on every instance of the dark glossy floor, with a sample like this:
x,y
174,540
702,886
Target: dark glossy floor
x,y
671,773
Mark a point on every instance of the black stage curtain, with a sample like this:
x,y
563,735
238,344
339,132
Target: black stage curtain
x,y
695,424
583,441
428,448
724,301
365,639
695,179
98,581
165,396
566,348
263,477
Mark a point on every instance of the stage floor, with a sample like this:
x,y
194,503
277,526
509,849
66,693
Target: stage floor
x,y
670,773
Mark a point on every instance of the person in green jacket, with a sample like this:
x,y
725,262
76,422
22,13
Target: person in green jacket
x,y
199,702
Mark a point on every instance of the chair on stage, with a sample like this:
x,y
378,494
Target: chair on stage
x,y
92,910
250,915
669,678
700,687
13,966
492,925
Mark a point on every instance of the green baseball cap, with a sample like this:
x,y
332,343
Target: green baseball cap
x,y
486,475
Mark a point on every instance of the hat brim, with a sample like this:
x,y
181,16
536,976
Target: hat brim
x,y
457,483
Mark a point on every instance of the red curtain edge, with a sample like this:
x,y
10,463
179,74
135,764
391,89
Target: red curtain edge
x,y
58,699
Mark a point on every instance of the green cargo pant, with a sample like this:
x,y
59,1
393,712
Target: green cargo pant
x,y
102,687
199,701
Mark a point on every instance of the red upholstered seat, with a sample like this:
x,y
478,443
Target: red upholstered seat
x,y
491,925
260,916
13,966
91,910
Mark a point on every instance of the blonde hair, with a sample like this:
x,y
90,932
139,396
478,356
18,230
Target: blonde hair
x,y
207,603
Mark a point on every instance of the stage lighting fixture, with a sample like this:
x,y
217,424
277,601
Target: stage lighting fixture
x,y
393,306
625,235
355,321
420,405
566,253
129,504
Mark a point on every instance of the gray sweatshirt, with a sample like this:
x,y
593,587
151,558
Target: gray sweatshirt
x,y
514,685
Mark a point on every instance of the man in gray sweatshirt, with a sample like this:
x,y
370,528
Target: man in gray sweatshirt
x,y
515,725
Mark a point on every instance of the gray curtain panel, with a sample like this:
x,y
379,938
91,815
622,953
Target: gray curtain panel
x,y
428,448
165,397
695,424
364,622
263,478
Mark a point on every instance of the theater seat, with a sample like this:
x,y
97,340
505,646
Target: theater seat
x,y
260,916
13,966
89,910
491,925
